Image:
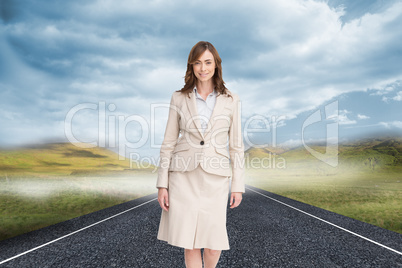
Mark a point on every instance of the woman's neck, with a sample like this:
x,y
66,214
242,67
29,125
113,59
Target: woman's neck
x,y
205,87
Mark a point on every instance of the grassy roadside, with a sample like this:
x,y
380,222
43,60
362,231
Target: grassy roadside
x,y
27,204
374,197
21,215
45,184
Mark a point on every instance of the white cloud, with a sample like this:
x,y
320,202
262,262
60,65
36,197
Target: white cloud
x,y
396,124
385,88
291,143
362,116
398,96
342,118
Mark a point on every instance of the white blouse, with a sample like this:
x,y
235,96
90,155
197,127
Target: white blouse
x,y
205,107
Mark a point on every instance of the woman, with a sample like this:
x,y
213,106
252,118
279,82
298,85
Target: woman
x,y
194,171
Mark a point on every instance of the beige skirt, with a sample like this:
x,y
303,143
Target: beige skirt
x,y
197,211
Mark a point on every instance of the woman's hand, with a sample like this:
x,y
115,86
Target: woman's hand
x,y
235,199
163,198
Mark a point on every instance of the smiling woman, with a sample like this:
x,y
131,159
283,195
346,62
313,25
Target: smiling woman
x,y
194,171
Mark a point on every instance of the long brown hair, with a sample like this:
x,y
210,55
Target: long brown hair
x,y
190,79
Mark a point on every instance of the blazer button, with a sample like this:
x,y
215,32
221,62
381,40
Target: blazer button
x,y
202,142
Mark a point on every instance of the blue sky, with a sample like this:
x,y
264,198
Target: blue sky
x,y
285,59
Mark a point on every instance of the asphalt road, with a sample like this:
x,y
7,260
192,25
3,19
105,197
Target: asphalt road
x,y
267,230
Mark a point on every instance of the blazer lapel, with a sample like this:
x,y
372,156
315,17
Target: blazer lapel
x,y
219,105
192,107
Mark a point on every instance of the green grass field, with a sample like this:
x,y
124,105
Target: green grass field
x,y
51,183
28,204
372,198
366,185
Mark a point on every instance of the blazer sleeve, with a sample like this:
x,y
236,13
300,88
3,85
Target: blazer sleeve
x,y
168,144
236,148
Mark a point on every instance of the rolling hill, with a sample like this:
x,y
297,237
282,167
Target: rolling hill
x,y
68,159
62,159
367,153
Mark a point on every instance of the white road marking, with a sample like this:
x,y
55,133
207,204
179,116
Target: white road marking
x,y
57,239
346,230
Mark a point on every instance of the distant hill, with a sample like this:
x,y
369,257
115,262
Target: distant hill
x,y
370,153
262,152
68,159
62,159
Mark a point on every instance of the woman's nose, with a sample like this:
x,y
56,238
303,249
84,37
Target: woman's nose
x,y
202,66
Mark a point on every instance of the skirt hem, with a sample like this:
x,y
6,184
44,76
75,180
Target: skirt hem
x,y
182,246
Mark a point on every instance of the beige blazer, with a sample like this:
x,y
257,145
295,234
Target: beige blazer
x,y
219,150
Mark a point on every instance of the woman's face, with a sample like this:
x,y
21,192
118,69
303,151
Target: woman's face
x,y
204,67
